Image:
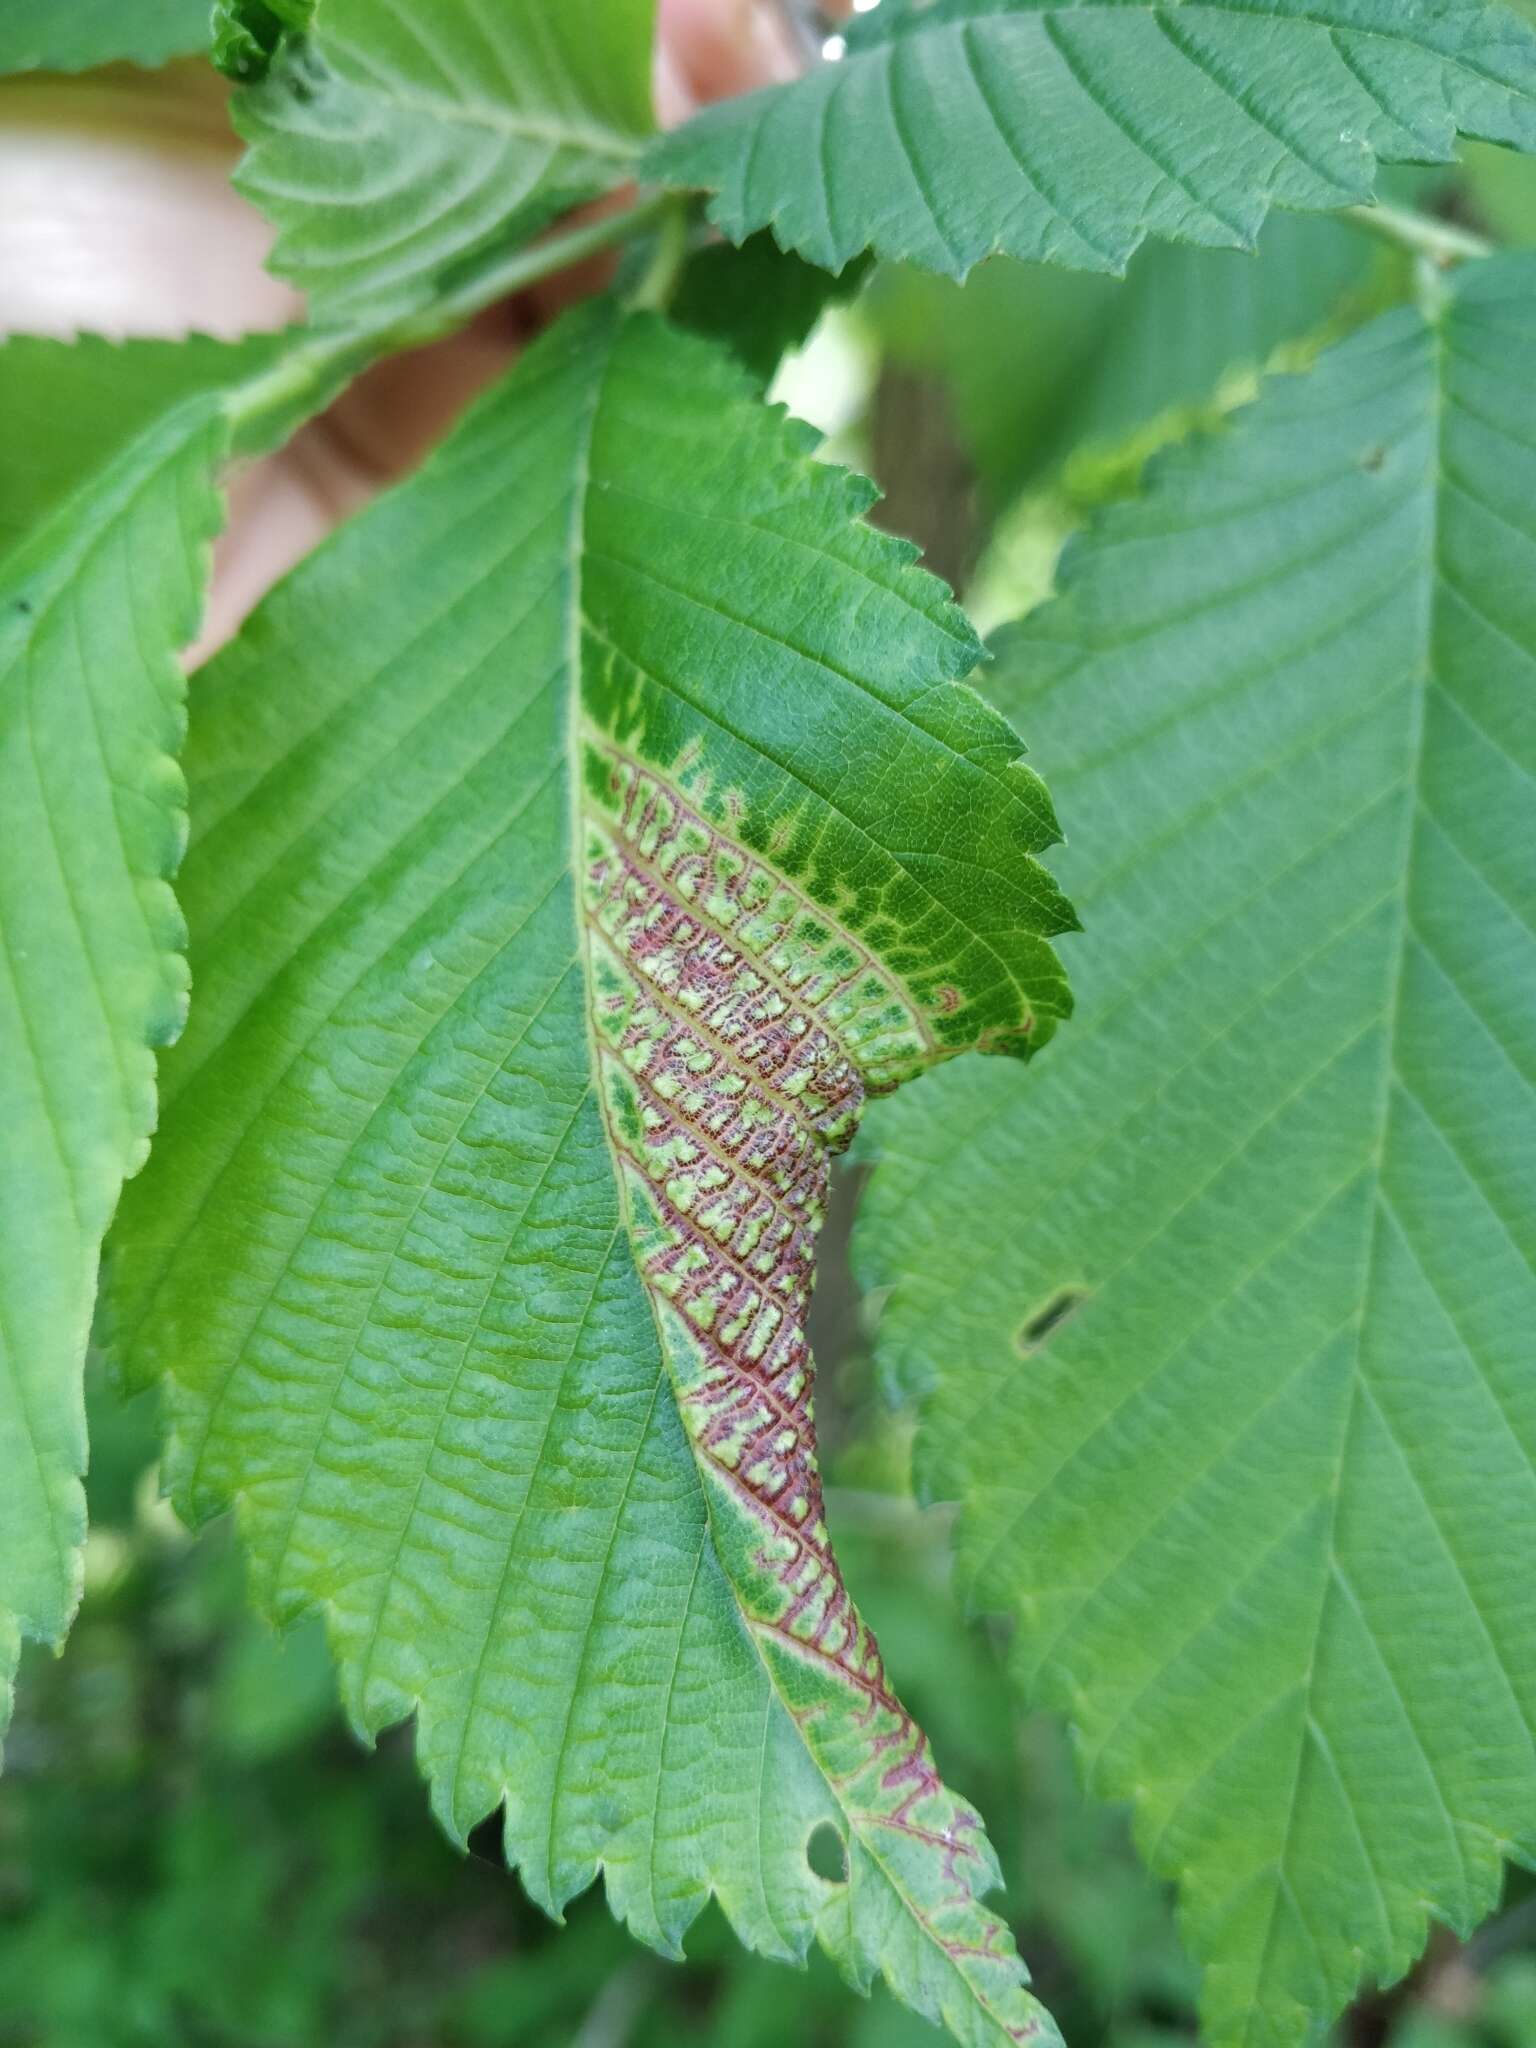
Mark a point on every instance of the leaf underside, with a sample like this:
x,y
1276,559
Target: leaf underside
x,y
1067,131
393,143
93,610
549,935
1228,1316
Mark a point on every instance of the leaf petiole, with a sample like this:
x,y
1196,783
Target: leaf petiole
x,y
653,293
1441,241
325,359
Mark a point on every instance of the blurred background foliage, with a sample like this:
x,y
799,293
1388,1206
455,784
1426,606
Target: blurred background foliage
x,y
195,1853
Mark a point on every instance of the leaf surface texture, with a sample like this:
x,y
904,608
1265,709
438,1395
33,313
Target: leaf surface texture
x,y
394,142
93,976
1227,1318
1067,131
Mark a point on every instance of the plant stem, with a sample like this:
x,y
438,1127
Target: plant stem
x,y
653,294
322,361
504,275
1441,241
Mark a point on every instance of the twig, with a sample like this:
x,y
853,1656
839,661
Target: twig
x,y
1440,241
326,359
653,294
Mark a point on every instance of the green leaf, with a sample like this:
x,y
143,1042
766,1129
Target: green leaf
x,y
757,300
391,145
579,836
1192,318
1228,1316
93,610
74,35
1066,131
70,407
1106,357
1503,186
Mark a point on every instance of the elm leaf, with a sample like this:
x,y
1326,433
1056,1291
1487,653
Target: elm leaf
x,y
1226,1319
1067,131
94,608
580,837
390,144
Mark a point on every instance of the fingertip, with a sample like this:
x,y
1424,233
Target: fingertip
x,y
721,47
669,87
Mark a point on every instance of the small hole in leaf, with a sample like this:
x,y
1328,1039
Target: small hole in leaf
x,y
826,1855
1050,1318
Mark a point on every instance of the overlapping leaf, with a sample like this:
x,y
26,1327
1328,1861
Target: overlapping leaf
x,y
1228,1317
1192,318
1503,186
757,300
578,837
393,142
93,609
1069,130
69,408
73,35
1041,364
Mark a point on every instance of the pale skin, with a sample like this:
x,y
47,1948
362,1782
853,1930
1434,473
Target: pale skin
x,y
122,222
